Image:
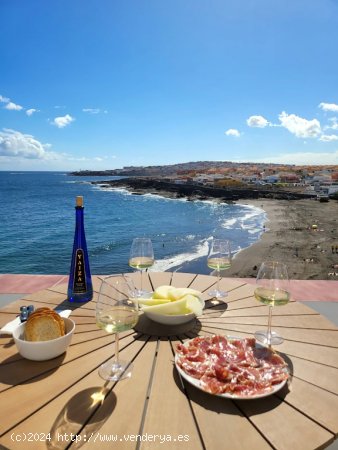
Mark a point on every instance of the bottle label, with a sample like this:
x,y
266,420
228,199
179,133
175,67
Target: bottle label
x,y
80,285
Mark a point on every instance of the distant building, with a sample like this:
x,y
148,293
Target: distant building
x,y
271,179
333,188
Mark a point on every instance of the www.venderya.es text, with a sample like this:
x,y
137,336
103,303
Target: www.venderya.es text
x,y
98,437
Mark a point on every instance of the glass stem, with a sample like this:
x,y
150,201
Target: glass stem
x,y
269,325
218,277
116,348
141,289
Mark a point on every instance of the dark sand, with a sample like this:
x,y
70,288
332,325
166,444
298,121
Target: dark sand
x,y
291,238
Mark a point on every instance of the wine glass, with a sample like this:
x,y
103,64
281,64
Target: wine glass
x,y
115,312
141,258
272,289
219,258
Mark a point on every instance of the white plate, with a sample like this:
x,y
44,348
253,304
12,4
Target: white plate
x,y
196,382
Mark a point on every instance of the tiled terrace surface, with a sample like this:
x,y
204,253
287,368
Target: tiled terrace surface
x,y
302,290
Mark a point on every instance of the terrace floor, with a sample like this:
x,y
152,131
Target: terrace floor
x,y
321,295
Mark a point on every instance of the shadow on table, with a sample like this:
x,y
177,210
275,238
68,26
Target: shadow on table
x,y
214,308
149,328
81,417
73,306
17,369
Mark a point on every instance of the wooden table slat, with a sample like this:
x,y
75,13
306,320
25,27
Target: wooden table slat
x,y
166,395
284,426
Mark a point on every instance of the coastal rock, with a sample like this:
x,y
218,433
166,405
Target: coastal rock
x,y
195,191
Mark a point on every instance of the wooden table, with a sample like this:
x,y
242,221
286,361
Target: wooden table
x,y
64,399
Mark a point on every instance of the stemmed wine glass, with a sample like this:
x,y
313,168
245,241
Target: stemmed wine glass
x,y
115,312
219,258
272,289
141,258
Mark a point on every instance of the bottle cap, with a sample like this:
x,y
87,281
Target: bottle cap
x,y
79,200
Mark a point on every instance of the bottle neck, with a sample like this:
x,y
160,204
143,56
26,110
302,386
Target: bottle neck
x,y
79,212
79,216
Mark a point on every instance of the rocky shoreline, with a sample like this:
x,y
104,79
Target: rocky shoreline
x,y
139,186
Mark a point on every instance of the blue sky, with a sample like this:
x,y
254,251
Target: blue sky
x,y
104,84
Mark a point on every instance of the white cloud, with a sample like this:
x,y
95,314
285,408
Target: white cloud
x,y
302,158
31,111
334,124
25,151
257,121
63,121
92,110
16,144
13,107
4,99
232,132
300,127
328,106
328,137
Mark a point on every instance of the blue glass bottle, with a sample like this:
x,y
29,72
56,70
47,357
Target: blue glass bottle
x,y
80,286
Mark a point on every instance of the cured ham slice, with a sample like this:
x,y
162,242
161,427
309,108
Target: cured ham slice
x,y
232,366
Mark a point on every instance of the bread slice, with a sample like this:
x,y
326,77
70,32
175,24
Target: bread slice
x,y
44,324
57,317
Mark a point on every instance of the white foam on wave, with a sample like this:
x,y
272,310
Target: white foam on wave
x,y
250,215
167,263
76,182
252,220
104,188
155,196
254,230
208,202
163,197
229,223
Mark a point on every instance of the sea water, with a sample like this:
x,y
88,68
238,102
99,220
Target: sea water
x,y
38,219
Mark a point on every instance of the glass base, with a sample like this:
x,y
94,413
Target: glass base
x,y
218,294
143,293
114,371
268,339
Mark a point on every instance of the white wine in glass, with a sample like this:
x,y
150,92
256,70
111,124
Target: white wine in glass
x,y
116,312
273,290
219,258
141,258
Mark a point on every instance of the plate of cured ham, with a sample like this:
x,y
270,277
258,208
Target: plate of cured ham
x,y
230,367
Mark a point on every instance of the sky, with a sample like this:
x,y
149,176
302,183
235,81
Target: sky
x,y
109,83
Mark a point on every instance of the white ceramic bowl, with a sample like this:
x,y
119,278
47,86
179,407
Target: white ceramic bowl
x,y
167,319
44,350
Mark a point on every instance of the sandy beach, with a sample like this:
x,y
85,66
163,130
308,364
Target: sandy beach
x,y
301,233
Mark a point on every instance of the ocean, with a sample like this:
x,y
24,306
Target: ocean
x,y
38,221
